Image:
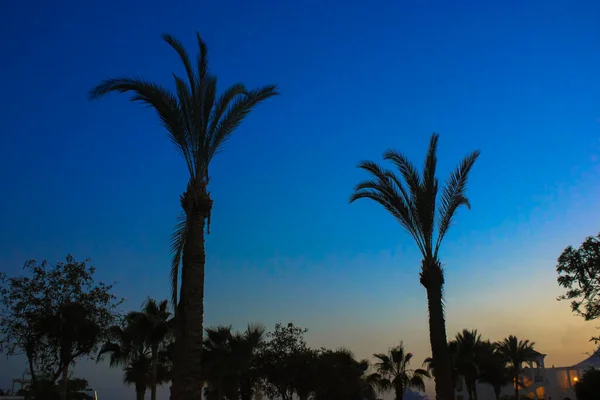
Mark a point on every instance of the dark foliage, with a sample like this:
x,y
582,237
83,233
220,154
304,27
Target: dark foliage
x,y
588,388
579,273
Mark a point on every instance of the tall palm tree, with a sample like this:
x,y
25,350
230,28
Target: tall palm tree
x,y
412,199
516,352
468,347
492,368
154,320
198,123
393,372
452,349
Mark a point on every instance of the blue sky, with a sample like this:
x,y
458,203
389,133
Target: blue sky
x,y
517,80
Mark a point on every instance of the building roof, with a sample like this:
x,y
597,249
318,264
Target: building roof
x,y
592,361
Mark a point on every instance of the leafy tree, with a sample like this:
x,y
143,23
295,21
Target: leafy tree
x,y
589,386
516,352
338,375
283,347
412,199
579,273
468,347
393,372
198,123
55,316
492,368
154,320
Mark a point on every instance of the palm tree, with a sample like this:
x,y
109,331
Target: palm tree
x,y
244,348
492,368
138,373
516,352
218,368
128,348
393,372
154,320
413,201
198,123
468,346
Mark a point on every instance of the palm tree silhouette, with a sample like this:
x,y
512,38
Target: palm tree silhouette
x,y
516,352
198,123
413,202
468,347
394,373
154,320
130,349
492,368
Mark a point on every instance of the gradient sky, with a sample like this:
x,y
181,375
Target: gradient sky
x,y
518,80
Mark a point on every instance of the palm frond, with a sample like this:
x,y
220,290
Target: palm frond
x,y
428,192
201,83
417,382
422,372
388,192
159,98
222,104
235,114
454,196
177,244
185,59
109,347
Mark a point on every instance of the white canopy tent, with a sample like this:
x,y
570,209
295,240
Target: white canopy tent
x,y
592,361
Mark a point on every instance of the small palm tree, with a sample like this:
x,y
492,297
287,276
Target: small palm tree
x,y
393,372
413,202
492,368
199,123
244,348
516,352
468,346
219,369
154,320
138,373
128,348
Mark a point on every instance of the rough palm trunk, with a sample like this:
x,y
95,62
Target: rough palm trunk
x,y
432,279
187,377
65,382
399,393
154,372
140,391
516,383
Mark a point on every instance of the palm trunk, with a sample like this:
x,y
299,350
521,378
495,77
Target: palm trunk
x,y
154,372
187,374
516,385
140,391
433,280
65,382
471,390
497,391
399,393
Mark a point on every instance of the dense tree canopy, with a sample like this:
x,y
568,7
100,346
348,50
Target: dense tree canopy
x,y
588,387
54,315
579,273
